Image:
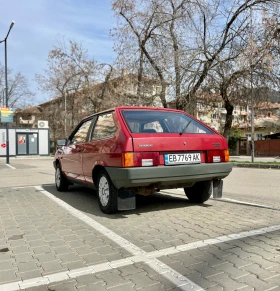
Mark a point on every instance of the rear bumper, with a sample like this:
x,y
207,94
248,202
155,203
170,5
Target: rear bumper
x,y
167,176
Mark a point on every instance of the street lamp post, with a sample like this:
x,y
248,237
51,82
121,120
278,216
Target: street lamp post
x,y
6,81
65,113
65,117
252,98
3,94
252,123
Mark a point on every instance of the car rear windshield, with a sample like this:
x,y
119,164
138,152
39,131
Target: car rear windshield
x,y
151,121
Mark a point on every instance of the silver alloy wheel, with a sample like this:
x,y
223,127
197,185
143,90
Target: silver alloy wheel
x,y
57,177
103,191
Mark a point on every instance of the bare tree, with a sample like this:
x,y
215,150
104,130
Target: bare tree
x,y
142,20
68,67
69,70
196,34
250,65
19,94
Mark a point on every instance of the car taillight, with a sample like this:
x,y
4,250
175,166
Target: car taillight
x,y
145,159
217,156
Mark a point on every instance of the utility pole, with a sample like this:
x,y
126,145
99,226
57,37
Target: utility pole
x,y
251,86
3,93
7,101
65,108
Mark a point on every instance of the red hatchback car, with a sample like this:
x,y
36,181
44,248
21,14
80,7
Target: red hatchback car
x,y
140,150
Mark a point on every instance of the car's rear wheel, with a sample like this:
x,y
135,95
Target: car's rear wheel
x,y
107,193
61,181
199,192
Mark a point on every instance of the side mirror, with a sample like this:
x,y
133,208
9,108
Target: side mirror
x,y
61,142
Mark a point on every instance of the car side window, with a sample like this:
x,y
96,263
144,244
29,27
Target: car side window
x,y
104,126
81,133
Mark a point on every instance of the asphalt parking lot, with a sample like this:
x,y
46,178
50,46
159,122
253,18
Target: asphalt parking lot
x,y
62,241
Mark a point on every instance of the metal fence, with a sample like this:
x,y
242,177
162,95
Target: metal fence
x,y
267,148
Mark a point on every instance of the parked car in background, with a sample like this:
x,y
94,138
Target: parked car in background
x,y
140,150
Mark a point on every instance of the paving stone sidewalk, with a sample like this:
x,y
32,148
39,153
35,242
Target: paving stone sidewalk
x,y
251,263
38,237
167,219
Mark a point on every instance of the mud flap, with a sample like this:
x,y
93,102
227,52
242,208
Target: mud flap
x,y
126,199
217,188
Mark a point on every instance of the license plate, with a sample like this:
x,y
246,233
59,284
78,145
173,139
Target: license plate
x,y
177,159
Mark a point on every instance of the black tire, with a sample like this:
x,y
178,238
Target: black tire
x,y
61,181
107,193
199,192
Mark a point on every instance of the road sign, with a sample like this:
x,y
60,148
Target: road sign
x,y
3,145
7,114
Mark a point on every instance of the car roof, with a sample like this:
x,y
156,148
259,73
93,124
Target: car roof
x,y
118,108
148,108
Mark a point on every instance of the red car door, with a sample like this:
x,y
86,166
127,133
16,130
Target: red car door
x,y
98,150
71,159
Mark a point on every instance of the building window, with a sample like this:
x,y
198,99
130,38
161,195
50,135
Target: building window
x,y
130,88
259,136
158,90
248,135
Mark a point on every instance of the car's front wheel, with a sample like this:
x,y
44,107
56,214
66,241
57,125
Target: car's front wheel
x,y
199,192
61,182
107,193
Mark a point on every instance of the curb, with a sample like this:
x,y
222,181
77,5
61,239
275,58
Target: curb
x,y
258,166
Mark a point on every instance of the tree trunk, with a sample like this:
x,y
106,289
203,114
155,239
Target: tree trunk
x,y
229,116
159,72
140,77
176,59
187,103
105,83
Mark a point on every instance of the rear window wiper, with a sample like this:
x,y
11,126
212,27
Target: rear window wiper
x,y
185,128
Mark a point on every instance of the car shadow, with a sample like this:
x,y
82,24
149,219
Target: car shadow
x,y
85,200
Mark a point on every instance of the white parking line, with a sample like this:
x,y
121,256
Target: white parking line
x,y
180,193
8,165
22,187
28,186
148,258
158,266
138,254
133,249
211,241
170,274
246,203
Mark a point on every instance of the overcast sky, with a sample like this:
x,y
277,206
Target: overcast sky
x,y
38,25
